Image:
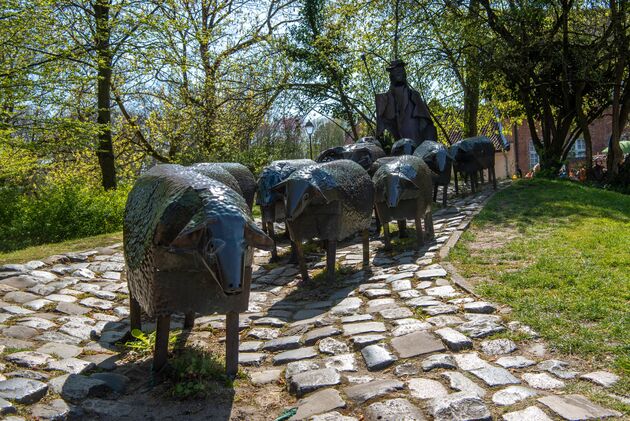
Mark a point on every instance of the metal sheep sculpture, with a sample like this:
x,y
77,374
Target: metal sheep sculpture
x,y
188,242
330,201
271,202
470,157
437,157
403,191
370,139
404,146
245,179
402,224
363,153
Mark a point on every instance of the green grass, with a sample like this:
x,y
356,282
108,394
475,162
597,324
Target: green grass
x,y
560,257
196,373
45,250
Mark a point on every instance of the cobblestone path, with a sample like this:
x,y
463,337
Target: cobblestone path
x,y
406,341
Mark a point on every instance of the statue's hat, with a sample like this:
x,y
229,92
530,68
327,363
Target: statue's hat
x,y
394,64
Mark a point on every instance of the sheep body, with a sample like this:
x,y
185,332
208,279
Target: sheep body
x,y
245,179
471,156
363,153
403,189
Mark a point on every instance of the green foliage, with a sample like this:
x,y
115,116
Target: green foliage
x,y
57,212
144,343
60,213
196,373
567,272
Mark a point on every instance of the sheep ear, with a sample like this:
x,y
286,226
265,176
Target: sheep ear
x,y
255,237
280,188
330,196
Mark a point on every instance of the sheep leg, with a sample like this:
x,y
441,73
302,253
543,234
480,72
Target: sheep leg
x,y
331,254
231,343
402,228
388,243
293,259
419,234
494,177
456,185
366,249
135,314
160,354
300,256
428,223
444,195
378,222
189,320
274,250
435,192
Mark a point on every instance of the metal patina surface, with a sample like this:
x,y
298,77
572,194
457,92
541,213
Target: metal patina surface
x,y
403,187
439,160
331,200
370,139
404,147
271,202
188,243
401,110
245,179
473,154
217,172
363,153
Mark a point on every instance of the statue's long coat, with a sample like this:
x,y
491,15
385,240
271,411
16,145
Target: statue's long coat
x,y
404,114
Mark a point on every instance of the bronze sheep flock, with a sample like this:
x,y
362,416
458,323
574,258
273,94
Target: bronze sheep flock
x,y
189,234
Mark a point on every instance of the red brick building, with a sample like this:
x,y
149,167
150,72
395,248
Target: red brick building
x,y
525,154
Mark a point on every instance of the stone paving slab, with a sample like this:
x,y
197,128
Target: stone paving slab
x,y
403,341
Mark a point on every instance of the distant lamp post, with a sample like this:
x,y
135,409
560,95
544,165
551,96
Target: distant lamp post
x,y
310,128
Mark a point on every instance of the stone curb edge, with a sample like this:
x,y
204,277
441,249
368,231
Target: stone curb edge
x,y
445,250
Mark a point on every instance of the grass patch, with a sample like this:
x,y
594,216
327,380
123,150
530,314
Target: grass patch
x,y
320,276
559,254
46,250
196,373
144,343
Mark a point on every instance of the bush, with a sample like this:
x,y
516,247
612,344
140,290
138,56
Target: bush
x,y
58,211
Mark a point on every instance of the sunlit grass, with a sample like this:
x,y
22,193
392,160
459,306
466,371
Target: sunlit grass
x,y
565,272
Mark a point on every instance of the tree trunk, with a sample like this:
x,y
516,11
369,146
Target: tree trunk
x,y
105,152
615,154
471,88
471,106
583,124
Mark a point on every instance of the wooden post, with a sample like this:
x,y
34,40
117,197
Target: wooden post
x,y
231,343
366,249
135,314
481,175
189,320
494,178
435,192
331,254
160,354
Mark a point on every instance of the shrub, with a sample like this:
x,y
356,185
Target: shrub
x,y
57,211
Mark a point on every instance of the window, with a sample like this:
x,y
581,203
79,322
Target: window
x,y
533,156
579,149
